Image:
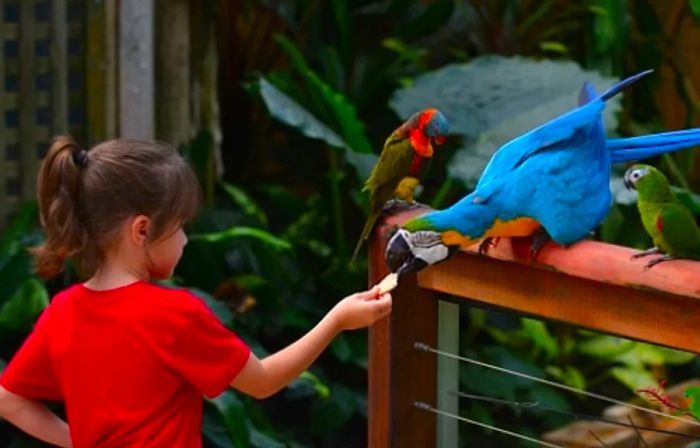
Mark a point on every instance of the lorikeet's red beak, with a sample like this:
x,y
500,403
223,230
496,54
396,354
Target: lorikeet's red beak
x,y
440,139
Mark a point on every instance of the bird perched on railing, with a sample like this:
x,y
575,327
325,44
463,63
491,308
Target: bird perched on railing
x,y
401,163
550,183
668,222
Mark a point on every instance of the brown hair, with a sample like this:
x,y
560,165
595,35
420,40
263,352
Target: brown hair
x,y
85,197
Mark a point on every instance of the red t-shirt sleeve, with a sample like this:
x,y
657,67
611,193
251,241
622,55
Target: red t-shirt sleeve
x,y
30,373
205,352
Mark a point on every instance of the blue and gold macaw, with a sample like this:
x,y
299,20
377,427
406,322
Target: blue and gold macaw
x,y
550,183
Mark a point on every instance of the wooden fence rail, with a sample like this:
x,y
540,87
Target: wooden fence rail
x,y
591,285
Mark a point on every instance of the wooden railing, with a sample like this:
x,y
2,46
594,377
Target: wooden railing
x,y
591,285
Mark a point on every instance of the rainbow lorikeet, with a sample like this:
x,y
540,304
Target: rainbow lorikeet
x,y
401,163
552,182
670,224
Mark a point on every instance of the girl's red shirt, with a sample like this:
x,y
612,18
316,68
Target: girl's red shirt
x,y
130,363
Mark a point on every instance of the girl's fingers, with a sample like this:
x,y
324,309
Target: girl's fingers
x,y
370,294
383,303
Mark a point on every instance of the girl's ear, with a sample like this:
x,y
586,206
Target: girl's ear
x,y
139,229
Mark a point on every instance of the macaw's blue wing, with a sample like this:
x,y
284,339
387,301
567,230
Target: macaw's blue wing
x,y
558,130
516,151
638,148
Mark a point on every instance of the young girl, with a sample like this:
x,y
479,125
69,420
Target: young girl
x,y
131,359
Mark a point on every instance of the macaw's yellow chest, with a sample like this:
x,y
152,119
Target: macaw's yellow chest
x,y
514,227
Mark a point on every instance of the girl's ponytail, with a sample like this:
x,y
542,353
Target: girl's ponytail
x,y
59,193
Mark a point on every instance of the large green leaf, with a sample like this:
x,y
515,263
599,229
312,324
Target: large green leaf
x,y
695,8
216,306
675,357
606,347
541,337
233,413
260,235
288,111
308,384
243,200
351,128
23,307
493,99
633,377
17,230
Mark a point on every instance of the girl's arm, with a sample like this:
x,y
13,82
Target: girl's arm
x,y
262,378
34,418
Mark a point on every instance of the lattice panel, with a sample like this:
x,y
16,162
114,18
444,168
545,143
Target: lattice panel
x,y
42,69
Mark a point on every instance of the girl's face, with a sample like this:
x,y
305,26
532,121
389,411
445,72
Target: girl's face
x,y
164,254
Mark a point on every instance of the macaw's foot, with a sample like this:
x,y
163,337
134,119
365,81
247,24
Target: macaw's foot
x,y
656,261
539,239
486,243
646,253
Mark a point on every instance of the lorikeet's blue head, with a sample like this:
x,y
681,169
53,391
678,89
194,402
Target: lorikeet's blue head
x,y
434,125
424,129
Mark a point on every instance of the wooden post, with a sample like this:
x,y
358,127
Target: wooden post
x,y
3,167
59,67
101,70
399,375
27,100
173,71
136,69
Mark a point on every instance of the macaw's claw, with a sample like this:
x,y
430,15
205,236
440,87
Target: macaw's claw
x,y
486,243
539,239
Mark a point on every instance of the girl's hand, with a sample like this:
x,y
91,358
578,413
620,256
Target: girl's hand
x,y
361,309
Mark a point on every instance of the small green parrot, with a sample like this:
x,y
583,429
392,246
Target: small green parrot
x,y
401,163
693,395
670,224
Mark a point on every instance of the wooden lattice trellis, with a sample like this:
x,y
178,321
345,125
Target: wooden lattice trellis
x,y
42,71
60,71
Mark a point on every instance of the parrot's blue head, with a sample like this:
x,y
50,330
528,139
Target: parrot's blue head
x,y
434,125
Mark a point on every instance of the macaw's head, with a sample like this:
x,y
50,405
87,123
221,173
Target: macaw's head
x,y
425,128
416,246
647,180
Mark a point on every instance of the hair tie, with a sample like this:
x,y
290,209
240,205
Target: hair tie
x,y
80,156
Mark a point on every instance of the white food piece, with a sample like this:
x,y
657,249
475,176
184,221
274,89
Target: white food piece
x,y
388,283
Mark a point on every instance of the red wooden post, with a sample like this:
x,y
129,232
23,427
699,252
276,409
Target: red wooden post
x,y
399,375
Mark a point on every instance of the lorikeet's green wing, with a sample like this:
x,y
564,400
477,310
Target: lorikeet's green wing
x,y
393,165
679,231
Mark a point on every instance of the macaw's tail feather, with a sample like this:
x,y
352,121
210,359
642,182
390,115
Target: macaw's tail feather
x,y
638,148
617,88
369,224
